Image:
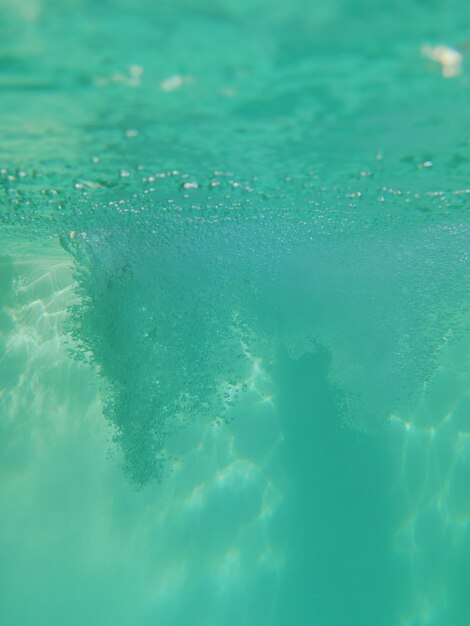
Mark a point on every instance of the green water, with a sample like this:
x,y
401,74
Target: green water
x,y
234,313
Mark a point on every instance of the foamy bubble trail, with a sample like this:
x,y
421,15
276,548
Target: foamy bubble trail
x,y
169,297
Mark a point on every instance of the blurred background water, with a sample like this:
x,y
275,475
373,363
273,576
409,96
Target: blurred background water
x,y
234,326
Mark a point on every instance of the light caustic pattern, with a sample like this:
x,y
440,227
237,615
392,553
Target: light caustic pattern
x,y
433,451
80,532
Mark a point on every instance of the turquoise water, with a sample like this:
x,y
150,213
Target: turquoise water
x,y
234,313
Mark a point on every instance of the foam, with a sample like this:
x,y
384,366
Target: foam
x,y
173,299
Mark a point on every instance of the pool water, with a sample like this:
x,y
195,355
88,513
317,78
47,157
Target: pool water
x,y
234,313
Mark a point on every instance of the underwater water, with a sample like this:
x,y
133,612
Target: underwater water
x,y
234,313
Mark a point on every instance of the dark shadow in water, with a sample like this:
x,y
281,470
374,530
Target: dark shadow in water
x,y
340,568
